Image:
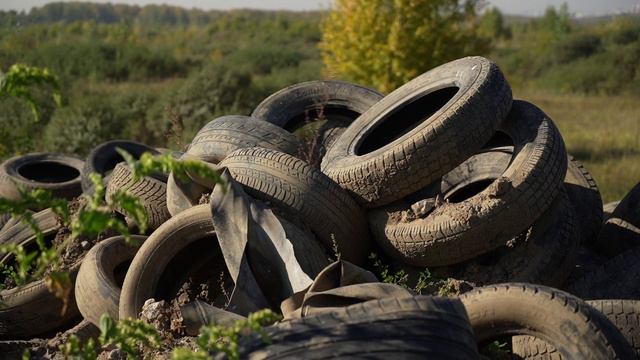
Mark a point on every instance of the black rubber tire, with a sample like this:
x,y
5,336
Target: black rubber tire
x,y
31,310
621,231
337,103
97,290
574,328
608,209
408,328
104,158
296,187
57,173
420,131
615,279
150,191
455,232
220,137
624,314
585,196
146,276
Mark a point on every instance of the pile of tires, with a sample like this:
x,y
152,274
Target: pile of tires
x,y
447,172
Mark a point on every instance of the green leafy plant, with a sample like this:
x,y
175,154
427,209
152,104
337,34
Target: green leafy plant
x,y
18,80
425,284
127,335
216,338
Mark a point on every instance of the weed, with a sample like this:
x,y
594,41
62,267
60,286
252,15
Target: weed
x,y
426,283
18,80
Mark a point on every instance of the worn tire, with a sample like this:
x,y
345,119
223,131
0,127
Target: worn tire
x,y
97,290
4,219
420,131
150,191
624,314
621,231
574,328
57,173
455,232
149,275
585,197
31,310
615,279
337,103
20,233
409,328
103,159
222,136
295,186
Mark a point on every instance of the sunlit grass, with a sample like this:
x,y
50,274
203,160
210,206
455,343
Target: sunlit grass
x,y
601,131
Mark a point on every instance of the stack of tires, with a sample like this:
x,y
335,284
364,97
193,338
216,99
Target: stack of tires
x,y
446,172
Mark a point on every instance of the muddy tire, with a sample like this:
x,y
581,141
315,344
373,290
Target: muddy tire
x,y
97,290
455,232
294,186
544,254
409,328
57,173
226,134
104,158
615,279
4,219
574,328
621,231
20,233
335,103
150,191
420,131
585,197
624,314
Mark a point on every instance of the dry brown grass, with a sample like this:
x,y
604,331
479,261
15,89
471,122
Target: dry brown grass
x,y
601,131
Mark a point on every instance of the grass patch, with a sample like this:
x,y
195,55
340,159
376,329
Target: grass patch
x,y
603,132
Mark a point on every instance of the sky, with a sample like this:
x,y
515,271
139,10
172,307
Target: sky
x,y
516,7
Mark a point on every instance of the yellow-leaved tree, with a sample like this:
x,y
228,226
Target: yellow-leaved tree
x,y
385,43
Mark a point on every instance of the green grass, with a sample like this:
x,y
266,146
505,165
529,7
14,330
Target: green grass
x,y
601,131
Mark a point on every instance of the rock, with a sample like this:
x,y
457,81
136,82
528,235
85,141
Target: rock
x,y
423,207
85,245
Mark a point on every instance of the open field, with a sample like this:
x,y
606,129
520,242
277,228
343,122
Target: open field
x,y
601,131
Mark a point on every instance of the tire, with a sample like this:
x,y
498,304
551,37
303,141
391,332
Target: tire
x,y
31,310
585,196
20,233
182,195
455,232
226,134
608,208
544,254
296,187
621,231
97,290
104,158
615,279
409,328
150,191
624,314
57,173
574,328
157,270
335,103
420,131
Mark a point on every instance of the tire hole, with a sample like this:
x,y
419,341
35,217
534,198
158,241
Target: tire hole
x,y
405,119
48,172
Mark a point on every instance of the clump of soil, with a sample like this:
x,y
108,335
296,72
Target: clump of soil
x,y
205,198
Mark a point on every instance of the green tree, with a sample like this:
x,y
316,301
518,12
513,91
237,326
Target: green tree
x,y
385,43
492,24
